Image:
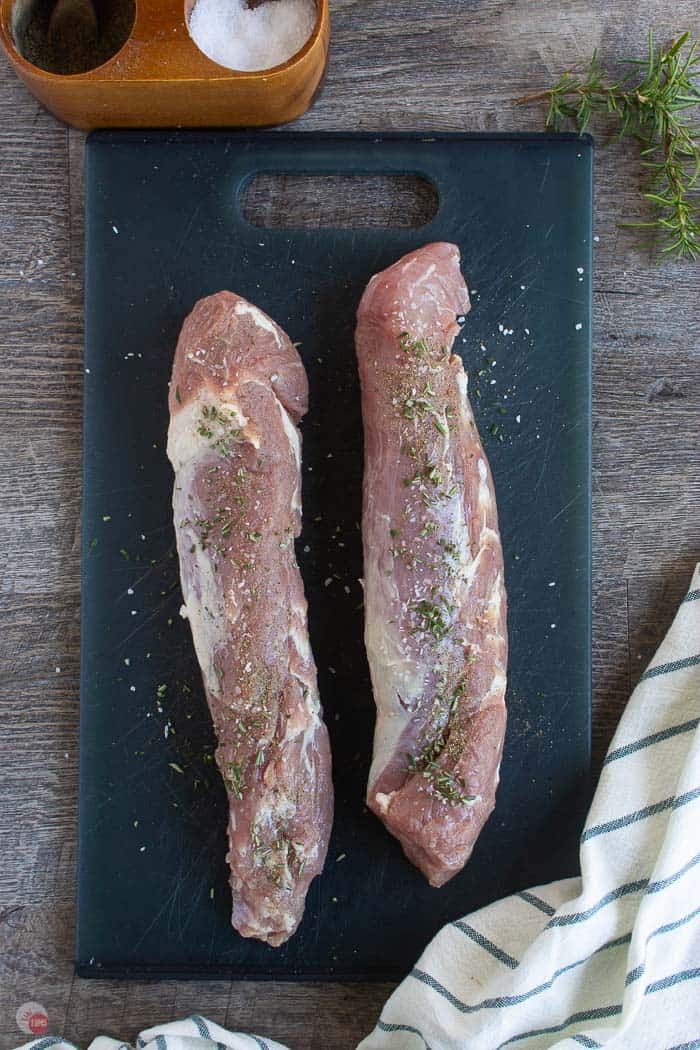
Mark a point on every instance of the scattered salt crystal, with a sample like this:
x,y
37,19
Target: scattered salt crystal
x,y
579,269
239,38
132,688
579,326
115,229
517,419
328,582
552,583
596,239
552,625
58,670
130,590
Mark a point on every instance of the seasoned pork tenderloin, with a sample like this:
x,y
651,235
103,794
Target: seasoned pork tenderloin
x,y
238,391
435,603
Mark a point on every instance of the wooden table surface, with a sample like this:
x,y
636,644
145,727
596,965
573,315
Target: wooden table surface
x,y
455,67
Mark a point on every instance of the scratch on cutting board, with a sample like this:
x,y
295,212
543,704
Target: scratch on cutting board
x,y
176,918
546,173
477,261
164,560
139,580
103,493
158,609
547,449
503,283
134,728
563,510
167,902
190,223
561,298
171,900
103,806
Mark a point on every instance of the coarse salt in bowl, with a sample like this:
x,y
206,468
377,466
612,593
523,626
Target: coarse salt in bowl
x,y
251,39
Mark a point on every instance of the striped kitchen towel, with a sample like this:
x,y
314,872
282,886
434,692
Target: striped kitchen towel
x,y
610,959
195,1033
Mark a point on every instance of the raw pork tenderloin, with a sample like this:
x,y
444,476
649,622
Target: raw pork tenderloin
x,y
435,603
238,391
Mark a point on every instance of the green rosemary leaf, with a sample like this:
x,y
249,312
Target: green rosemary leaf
x,y
651,104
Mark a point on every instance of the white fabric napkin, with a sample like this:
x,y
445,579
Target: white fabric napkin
x,y
194,1033
610,959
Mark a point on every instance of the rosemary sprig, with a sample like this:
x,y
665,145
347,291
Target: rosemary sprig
x,y
650,103
433,618
235,779
428,754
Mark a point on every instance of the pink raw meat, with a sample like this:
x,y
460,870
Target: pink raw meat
x,y
435,602
238,391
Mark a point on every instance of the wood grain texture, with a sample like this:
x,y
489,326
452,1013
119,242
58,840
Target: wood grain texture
x,y
391,67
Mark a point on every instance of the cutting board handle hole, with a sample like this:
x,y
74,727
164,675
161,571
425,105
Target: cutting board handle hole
x,y
313,200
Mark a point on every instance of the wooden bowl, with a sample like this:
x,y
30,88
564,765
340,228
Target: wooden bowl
x,y
160,78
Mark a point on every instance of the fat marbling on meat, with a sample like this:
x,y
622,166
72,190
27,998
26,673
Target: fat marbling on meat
x,y
435,603
237,393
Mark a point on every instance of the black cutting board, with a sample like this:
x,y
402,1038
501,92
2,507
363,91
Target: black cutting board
x,y
163,229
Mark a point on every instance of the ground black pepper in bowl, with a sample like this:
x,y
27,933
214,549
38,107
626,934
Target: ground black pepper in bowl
x,y
82,50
